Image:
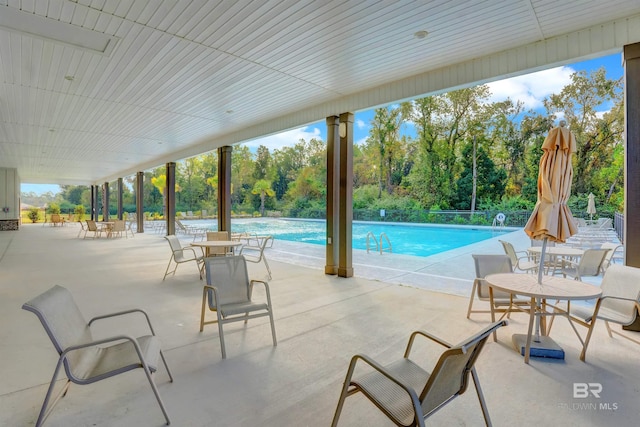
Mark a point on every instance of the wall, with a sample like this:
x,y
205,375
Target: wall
x,y
9,199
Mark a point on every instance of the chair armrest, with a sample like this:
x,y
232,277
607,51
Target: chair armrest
x,y
215,294
189,248
266,288
121,313
372,363
424,334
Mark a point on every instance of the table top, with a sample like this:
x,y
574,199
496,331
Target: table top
x,y
216,243
551,287
557,250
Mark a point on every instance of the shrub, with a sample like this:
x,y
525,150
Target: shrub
x,y
34,214
79,211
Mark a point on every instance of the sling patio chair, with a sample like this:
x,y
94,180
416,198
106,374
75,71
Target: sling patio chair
x,y
590,264
256,253
406,393
180,255
87,360
522,263
218,235
619,303
504,302
93,227
228,292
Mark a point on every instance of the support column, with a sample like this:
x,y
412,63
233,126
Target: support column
x,y
170,199
93,214
345,192
224,188
631,55
105,201
120,191
139,202
333,201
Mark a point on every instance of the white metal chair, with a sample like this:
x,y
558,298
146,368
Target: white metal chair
x,y
85,359
619,303
486,264
256,253
590,264
406,393
180,255
228,292
522,263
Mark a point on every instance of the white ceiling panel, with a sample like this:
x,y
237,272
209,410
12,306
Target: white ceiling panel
x,y
183,77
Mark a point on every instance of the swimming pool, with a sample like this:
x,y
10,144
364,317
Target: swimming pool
x,y
407,239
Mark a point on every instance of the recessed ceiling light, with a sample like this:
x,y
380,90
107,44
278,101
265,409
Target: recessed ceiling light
x,y
229,111
420,34
52,130
70,78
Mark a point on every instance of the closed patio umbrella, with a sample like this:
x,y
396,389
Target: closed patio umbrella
x,y
551,218
591,205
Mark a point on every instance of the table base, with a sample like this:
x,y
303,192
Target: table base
x,y
546,347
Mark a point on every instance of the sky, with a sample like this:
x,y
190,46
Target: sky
x,y
531,89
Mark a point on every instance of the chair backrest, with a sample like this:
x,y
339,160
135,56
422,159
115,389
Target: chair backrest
x,y
613,248
489,264
218,235
450,376
64,324
174,242
180,225
604,223
91,225
510,251
621,281
591,262
229,276
118,225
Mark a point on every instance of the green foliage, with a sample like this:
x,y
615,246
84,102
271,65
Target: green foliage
x,y
79,212
54,208
34,214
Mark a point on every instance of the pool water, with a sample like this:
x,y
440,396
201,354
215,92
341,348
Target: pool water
x,y
407,239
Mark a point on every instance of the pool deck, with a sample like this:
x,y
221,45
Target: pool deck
x,y
321,322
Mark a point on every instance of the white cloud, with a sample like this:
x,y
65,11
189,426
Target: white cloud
x,y
285,139
360,124
532,88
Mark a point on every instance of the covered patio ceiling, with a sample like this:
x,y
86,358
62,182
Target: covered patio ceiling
x,y
94,90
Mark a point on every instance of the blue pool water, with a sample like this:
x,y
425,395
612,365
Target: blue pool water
x,y
421,240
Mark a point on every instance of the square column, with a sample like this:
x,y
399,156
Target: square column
x,y
333,201
170,199
345,196
224,188
631,55
139,202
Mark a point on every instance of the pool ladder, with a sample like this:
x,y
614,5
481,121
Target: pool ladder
x,y
379,246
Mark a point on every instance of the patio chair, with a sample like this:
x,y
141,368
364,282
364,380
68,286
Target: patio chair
x,y
590,264
256,253
408,394
503,301
619,303
118,228
218,235
181,255
616,253
92,227
85,359
522,263
228,292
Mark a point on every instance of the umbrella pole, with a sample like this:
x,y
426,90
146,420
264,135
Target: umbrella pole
x,y
538,301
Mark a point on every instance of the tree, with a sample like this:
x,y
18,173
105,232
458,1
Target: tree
x,y
263,189
384,137
581,104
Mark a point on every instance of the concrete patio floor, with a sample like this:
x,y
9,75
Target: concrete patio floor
x,y
321,321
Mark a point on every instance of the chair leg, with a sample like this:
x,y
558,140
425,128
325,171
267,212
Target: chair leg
x,y
266,264
147,372
166,272
583,354
483,404
344,393
204,301
273,328
221,334
44,413
166,366
471,298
